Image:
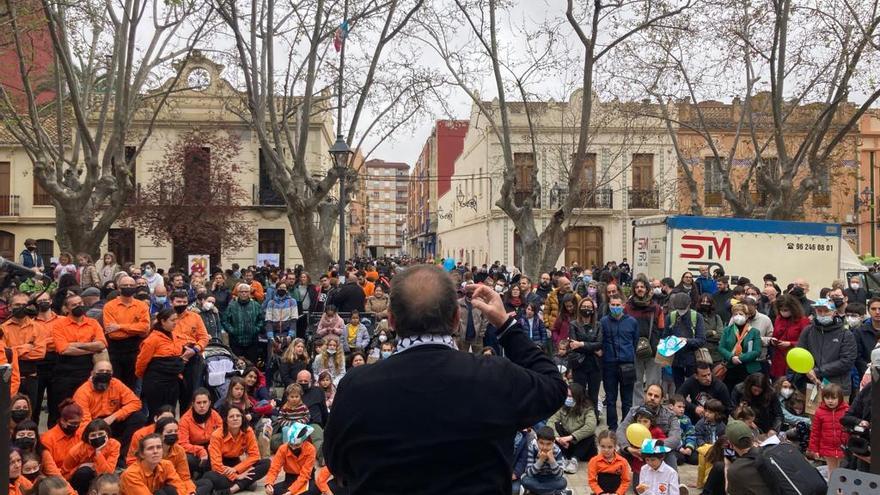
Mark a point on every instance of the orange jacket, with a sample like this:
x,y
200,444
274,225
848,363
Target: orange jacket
x,y
177,457
67,331
368,288
81,453
190,329
20,486
58,444
618,467
15,379
117,400
133,318
140,433
301,466
137,479
48,323
28,338
322,478
49,468
157,344
257,291
233,446
193,437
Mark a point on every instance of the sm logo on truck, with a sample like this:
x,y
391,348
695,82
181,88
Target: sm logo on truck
x,y
704,247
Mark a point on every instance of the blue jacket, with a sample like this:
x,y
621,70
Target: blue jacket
x,y
707,285
683,327
537,332
619,339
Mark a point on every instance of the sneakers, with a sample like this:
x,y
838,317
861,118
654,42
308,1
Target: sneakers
x,y
570,466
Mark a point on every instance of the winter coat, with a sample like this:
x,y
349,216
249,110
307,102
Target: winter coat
x,y
708,433
827,435
713,327
378,306
591,336
766,417
561,329
665,420
751,347
480,322
521,443
722,304
535,329
856,296
697,394
619,339
649,317
552,305
211,319
580,426
682,326
88,277
786,330
834,350
688,432
330,326
866,339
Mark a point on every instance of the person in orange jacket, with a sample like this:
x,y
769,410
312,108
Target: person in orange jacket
x,y
168,429
195,428
26,438
227,446
61,438
28,338
295,459
190,330
608,472
159,362
165,411
126,323
95,454
18,484
10,357
106,397
152,474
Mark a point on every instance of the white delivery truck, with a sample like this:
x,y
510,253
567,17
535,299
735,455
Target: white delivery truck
x,y
669,245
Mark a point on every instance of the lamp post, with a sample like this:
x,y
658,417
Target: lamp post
x,y
873,218
340,154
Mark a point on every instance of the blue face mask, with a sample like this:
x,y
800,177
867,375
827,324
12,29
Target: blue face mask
x,y
824,320
569,402
386,354
161,299
616,312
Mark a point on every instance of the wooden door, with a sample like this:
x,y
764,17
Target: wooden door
x,y
584,246
7,245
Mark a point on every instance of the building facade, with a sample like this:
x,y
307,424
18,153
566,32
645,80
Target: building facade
x,y
869,186
629,172
431,178
386,187
27,212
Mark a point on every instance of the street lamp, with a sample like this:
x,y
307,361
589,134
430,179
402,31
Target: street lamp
x,y
341,154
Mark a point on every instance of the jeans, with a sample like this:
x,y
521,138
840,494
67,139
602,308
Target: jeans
x,y
613,386
647,373
544,485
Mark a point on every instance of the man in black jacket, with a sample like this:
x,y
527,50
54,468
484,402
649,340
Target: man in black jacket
x,y
349,296
454,413
313,398
700,389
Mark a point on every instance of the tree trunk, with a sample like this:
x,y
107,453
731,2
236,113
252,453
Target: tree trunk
x,y
310,241
77,232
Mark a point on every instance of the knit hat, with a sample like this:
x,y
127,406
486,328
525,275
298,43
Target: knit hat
x,y
737,430
91,291
679,300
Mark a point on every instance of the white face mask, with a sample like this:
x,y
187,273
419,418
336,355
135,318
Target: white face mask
x,y
657,291
855,286
786,392
739,320
331,351
853,321
499,289
208,305
383,338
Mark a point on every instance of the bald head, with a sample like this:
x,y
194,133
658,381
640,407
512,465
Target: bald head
x,y
423,301
564,284
304,377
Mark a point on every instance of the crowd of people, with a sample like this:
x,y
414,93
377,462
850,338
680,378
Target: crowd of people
x,y
116,353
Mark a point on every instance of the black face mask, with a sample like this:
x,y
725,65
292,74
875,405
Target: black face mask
x,y
180,309
305,387
297,451
25,443
19,415
31,248
170,439
19,312
98,441
281,293
838,302
31,476
586,312
101,381
128,291
78,311
43,306
70,429
143,296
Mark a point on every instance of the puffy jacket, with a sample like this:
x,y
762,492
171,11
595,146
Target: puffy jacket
x,y
619,339
827,435
786,330
866,339
834,350
551,307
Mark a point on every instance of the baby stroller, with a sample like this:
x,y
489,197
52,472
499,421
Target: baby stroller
x,y
219,368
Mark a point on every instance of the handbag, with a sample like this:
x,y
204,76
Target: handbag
x,y
627,373
702,355
643,347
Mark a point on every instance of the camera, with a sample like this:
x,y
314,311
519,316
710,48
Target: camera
x,y
859,442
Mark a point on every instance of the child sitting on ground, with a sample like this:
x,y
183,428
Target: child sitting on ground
x,y
293,410
687,453
646,418
608,472
708,429
747,415
657,477
544,467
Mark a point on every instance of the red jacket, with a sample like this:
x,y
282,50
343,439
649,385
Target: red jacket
x,y
787,331
827,435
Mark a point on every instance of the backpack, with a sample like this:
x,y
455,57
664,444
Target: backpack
x,y
693,314
788,472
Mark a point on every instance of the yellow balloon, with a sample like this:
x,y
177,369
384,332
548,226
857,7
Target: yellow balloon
x,y
636,434
800,360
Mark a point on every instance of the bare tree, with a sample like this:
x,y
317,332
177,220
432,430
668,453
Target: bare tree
x,y
106,56
609,24
790,125
284,92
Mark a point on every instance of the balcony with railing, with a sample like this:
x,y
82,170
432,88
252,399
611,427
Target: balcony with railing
x,y
598,198
645,199
9,205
